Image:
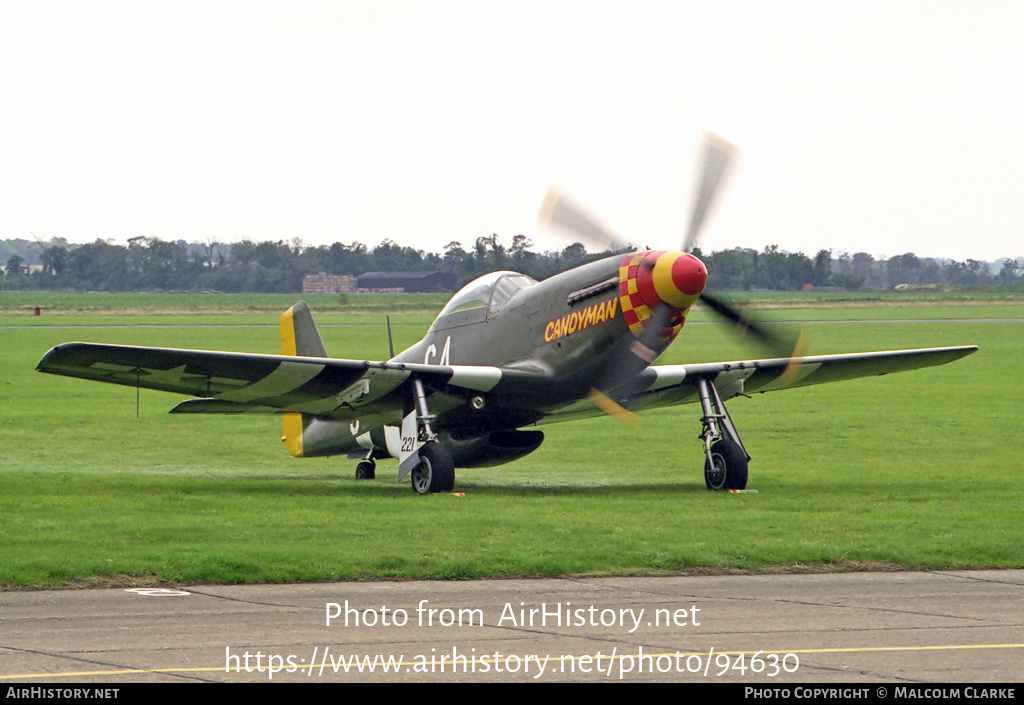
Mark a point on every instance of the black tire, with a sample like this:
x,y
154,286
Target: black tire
x,y
366,470
730,469
436,470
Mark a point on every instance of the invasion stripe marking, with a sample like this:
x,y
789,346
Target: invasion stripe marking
x,y
288,377
481,379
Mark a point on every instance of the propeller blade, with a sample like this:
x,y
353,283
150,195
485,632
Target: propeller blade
x,y
611,407
781,346
561,211
718,155
619,379
617,383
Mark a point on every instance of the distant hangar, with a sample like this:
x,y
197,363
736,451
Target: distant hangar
x,y
397,282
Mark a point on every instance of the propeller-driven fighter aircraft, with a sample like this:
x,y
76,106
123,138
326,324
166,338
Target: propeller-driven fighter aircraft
x,y
506,354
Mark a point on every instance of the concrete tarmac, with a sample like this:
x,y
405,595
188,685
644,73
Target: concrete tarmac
x,y
925,627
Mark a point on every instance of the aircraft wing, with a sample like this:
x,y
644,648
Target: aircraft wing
x,y
232,383
236,383
668,385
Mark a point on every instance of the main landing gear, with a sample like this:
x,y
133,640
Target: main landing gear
x,y
436,471
433,469
428,463
725,464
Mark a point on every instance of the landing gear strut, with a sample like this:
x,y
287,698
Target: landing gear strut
x,y
725,464
434,470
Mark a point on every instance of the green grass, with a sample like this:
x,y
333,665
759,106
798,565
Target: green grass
x,y
23,303
139,309
915,470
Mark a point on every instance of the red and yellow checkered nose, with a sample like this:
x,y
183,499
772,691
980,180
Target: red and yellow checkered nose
x,y
649,279
674,278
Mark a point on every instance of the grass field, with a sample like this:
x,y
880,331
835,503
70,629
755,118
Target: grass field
x,y
916,470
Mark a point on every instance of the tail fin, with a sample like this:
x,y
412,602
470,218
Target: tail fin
x,y
299,336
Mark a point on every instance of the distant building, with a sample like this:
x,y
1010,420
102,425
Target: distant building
x,y
411,282
324,283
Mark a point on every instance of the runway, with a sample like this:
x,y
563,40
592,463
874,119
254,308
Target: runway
x,y
900,627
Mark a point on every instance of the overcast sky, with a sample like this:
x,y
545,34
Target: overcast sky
x,y
884,127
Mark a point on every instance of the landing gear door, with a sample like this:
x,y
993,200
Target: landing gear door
x,y
409,448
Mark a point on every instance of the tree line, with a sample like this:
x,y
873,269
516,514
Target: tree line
x,y
774,269
151,264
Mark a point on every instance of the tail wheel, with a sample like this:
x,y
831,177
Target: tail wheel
x,y
366,470
727,468
436,470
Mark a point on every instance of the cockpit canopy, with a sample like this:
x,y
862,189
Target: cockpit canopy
x,y
482,298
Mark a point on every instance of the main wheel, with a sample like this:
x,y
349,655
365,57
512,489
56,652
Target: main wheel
x,y
728,467
366,470
436,471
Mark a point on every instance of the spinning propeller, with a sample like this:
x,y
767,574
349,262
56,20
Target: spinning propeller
x,y
657,288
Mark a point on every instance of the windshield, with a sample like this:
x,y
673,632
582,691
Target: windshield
x,y
505,288
494,289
